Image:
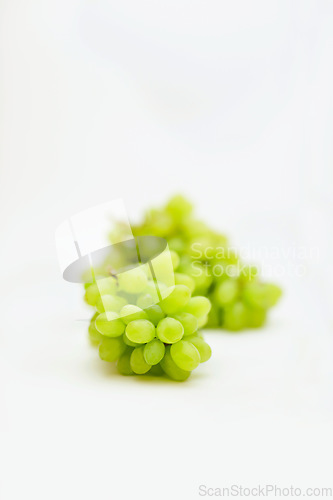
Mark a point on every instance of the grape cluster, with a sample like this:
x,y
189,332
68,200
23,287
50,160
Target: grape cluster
x,y
209,266
142,336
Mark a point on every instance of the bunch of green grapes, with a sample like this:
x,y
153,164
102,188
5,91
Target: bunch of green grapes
x,y
143,336
209,266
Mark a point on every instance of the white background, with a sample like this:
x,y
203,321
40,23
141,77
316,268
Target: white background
x,y
230,103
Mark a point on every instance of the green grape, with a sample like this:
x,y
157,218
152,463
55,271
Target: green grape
x,y
194,228
261,295
189,322
92,294
176,244
110,349
154,351
130,313
92,320
169,330
109,324
176,300
256,317
179,207
198,306
184,279
235,316
156,289
107,286
200,274
151,288
226,292
198,245
214,317
248,273
155,314
129,342
140,331
163,268
202,321
133,281
160,223
185,355
274,293
145,301
110,303
174,259
94,335
138,363
124,363
202,346
171,369
156,370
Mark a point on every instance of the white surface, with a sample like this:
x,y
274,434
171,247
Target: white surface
x,y
229,102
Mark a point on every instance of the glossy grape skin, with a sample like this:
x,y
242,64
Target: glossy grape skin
x,y
169,330
171,369
109,324
154,351
140,331
110,349
176,300
129,342
202,346
185,355
189,322
130,313
138,362
198,306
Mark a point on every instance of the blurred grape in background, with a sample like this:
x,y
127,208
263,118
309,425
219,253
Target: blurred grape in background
x,y
206,263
